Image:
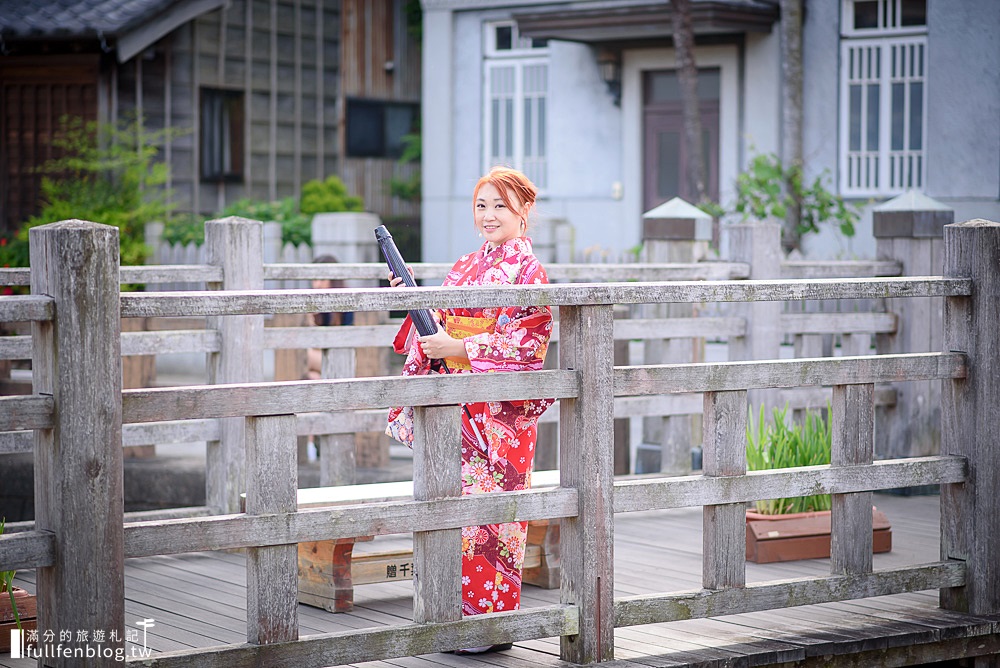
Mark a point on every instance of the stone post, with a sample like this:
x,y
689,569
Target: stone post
x,y
675,231
910,230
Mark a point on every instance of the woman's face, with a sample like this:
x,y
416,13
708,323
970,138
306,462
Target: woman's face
x,y
496,222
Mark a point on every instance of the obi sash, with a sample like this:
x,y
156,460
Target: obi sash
x,y
461,327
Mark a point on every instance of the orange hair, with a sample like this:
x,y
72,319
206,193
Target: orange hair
x,y
508,182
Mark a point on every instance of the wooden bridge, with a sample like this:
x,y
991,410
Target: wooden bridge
x,y
81,538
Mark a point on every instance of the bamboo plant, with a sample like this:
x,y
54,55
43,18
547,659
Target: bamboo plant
x,y
780,445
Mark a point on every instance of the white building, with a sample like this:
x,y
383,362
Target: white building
x,y
582,96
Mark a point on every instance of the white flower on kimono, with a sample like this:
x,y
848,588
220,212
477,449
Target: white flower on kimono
x,y
466,580
499,605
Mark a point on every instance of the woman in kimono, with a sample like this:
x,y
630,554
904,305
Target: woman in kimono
x,y
498,438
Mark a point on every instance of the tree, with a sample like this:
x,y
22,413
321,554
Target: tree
x,y
687,74
791,115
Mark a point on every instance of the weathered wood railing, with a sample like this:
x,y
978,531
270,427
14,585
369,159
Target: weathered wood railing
x,y
233,245
79,542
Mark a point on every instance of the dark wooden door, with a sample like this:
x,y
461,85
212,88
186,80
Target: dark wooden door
x,y
664,155
34,96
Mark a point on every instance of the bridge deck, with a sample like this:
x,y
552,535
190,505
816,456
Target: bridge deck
x,y
198,600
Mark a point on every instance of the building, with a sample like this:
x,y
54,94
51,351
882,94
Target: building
x,y
583,97
268,93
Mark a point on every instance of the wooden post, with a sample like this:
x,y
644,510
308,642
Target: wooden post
x,y
760,245
272,572
909,229
675,231
235,244
853,419
724,526
970,523
79,493
437,473
586,456
336,451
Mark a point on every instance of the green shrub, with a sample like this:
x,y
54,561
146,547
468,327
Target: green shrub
x,y
108,174
761,192
328,196
296,228
779,446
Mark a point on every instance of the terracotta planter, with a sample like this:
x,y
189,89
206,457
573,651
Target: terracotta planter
x,y
27,608
772,538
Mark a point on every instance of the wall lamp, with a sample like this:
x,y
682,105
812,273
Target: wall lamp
x,y
609,63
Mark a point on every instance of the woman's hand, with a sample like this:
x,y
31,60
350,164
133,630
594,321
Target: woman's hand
x,y
396,281
440,344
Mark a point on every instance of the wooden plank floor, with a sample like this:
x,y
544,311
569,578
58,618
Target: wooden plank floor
x,y
198,600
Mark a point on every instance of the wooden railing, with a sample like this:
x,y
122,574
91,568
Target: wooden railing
x,y
80,539
749,334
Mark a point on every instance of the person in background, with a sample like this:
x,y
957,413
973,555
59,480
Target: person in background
x,y
498,438
314,356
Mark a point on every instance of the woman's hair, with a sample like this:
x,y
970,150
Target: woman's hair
x,y
508,181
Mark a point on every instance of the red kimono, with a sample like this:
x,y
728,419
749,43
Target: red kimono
x,y
498,450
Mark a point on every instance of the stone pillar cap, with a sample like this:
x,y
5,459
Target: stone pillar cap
x,y
912,200
676,208
676,220
912,215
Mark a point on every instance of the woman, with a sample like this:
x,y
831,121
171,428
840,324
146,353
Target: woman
x,y
498,438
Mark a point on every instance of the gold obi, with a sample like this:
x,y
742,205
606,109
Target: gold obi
x,y
461,327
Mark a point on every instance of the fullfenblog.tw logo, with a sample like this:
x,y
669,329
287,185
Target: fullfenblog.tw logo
x,y
82,644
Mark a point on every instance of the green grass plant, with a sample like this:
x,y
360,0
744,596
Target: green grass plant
x,y
780,445
7,582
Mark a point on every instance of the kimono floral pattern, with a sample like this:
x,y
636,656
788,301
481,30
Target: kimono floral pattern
x,y
498,450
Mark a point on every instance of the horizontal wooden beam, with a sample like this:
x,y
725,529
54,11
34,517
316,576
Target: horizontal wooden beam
x,y
27,549
568,271
723,376
13,442
32,411
256,302
838,323
696,490
143,539
176,341
15,347
309,396
698,604
840,268
357,646
171,273
23,308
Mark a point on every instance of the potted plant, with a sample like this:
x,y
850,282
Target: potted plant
x,y
18,608
794,528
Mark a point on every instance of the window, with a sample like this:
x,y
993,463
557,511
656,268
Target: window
x,y
883,97
516,88
375,128
221,135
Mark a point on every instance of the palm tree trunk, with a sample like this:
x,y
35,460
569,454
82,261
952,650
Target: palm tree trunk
x,y
791,113
687,71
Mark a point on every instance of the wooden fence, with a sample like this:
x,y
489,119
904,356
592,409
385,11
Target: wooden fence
x,y
81,538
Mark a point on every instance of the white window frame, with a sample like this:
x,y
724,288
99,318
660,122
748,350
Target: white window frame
x,y
889,13
518,58
882,171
